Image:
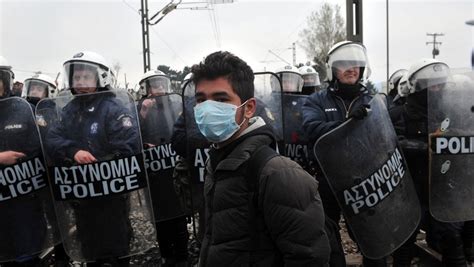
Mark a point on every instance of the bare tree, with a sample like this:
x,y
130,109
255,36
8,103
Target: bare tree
x,y
324,28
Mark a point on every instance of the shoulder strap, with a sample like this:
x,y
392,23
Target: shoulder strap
x,y
255,165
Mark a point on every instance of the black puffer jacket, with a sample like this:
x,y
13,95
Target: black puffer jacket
x,y
289,218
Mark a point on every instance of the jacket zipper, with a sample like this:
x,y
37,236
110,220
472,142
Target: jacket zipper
x,y
350,105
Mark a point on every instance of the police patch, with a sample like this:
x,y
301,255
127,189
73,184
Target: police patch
x,y
40,121
126,122
269,114
94,128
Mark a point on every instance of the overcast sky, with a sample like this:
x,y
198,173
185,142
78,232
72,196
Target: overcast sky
x,y
41,34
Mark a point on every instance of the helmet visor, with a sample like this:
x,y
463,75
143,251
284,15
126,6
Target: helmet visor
x,y
291,82
435,75
81,75
350,56
157,85
6,81
311,79
36,88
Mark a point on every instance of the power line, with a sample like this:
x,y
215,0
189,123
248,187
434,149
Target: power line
x,y
214,27
216,22
131,7
303,20
167,45
31,71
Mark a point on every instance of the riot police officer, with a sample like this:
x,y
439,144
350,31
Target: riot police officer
x,y
158,111
346,97
292,98
412,126
38,87
393,96
311,80
95,128
24,227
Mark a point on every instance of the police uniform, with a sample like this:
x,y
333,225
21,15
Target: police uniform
x,y
18,236
101,125
295,139
171,225
411,124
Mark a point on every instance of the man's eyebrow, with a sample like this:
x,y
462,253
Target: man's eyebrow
x,y
217,94
220,94
199,94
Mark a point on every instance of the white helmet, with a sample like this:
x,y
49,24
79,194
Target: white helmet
x,y
347,54
188,77
90,61
43,81
394,79
187,81
310,76
427,72
6,76
291,79
402,87
154,79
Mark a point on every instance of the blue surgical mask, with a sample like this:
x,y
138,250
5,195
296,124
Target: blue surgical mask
x,y
216,120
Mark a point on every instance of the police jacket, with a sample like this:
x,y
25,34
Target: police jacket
x,y
99,124
18,128
157,126
289,219
411,125
326,109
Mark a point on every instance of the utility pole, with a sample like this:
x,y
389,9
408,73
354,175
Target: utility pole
x,y
126,83
145,36
294,54
158,16
435,50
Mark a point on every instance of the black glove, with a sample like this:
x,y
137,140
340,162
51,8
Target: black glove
x,y
359,113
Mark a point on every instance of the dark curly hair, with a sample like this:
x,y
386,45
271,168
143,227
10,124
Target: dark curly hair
x,y
227,65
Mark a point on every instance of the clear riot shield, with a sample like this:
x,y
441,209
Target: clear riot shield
x,y
196,153
195,149
296,142
269,103
157,118
367,173
451,128
28,224
96,170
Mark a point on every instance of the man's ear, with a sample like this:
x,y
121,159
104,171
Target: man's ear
x,y
250,108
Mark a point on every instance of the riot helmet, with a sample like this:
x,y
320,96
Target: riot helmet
x,y
38,87
6,78
154,82
395,78
291,79
428,73
346,55
87,72
402,86
188,82
311,81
